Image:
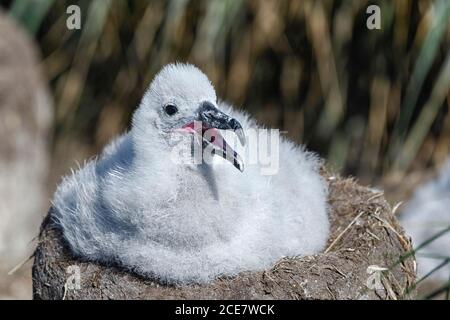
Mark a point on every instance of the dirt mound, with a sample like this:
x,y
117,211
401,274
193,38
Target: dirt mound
x,y
362,261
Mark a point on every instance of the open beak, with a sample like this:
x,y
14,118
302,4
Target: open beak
x,y
213,120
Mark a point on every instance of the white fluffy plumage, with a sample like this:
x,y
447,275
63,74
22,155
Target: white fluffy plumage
x,y
189,223
426,215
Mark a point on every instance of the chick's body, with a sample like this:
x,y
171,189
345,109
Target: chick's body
x,y
184,223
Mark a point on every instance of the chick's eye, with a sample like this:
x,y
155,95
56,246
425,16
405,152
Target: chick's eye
x,y
170,109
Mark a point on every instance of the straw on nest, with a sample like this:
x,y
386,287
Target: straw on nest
x,y
365,238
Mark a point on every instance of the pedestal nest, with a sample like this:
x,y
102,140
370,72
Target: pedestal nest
x,y
362,261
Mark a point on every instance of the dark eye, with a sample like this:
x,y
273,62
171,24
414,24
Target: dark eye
x,y
170,109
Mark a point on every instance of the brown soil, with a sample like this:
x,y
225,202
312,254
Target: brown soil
x,y
364,233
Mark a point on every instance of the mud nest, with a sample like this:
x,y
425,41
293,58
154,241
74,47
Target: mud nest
x,y
363,260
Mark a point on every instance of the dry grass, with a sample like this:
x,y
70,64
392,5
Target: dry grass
x,y
373,102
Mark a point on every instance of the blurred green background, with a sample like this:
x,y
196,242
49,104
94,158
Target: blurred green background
x,y
374,103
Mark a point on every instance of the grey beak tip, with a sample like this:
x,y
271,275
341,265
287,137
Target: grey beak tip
x,y
240,133
239,164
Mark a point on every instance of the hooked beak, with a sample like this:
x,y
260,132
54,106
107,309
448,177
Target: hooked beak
x,y
213,119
